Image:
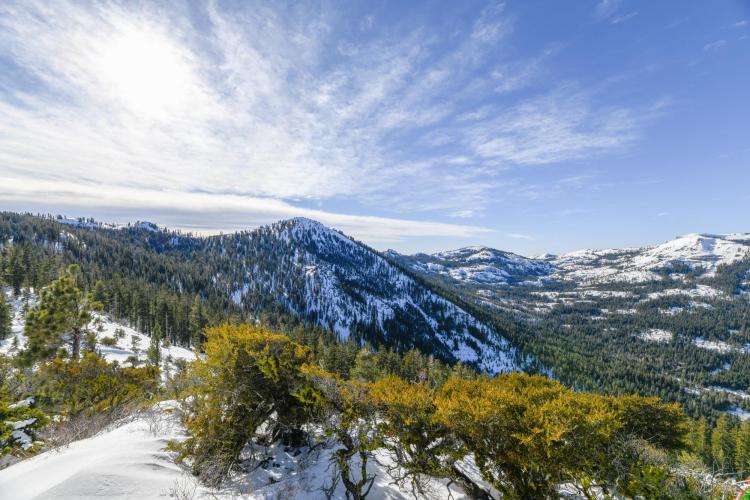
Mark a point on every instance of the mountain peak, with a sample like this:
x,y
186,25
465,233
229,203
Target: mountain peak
x,y
146,225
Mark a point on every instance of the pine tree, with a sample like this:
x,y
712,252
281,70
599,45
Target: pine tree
x,y
722,444
5,317
742,450
62,316
197,322
154,348
15,274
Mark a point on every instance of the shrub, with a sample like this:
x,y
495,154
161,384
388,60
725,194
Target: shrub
x,y
108,341
249,377
91,385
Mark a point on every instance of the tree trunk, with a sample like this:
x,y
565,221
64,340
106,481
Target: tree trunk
x,y
75,340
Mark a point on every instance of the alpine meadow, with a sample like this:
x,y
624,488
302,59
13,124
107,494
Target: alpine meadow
x,y
387,250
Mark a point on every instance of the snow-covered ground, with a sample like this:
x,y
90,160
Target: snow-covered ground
x,y
130,462
700,252
130,344
126,463
713,345
700,291
17,340
656,335
124,348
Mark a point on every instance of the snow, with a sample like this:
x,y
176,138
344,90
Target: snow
x,y
17,323
23,438
698,251
146,226
713,345
76,223
701,252
119,352
482,265
22,403
130,462
657,335
741,413
123,349
700,291
21,423
126,463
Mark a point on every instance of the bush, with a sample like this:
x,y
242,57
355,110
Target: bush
x,y
20,424
91,385
249,377
108,341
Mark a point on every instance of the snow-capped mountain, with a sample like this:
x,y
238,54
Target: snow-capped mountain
x,y
338,283
477,265
697,253
701,253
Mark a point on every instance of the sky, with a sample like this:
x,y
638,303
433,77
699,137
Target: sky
x,y
529,126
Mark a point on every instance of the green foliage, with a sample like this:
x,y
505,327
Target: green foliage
x,y
347,412
249,377
5,317
545,434
20,424
91,385
154,349
61,317
723,444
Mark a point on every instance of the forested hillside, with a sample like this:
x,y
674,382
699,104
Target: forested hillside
x,y
294,272
671,320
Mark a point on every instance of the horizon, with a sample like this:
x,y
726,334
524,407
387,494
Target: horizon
x,y
131,223
530,128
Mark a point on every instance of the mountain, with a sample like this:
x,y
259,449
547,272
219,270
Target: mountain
x,y
297,267
481,265
670,319
692,253
478,265
340,284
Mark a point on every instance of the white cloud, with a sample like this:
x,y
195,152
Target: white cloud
x,y
199,212
606,8
519,236
715,45
275,108
560,126
624,17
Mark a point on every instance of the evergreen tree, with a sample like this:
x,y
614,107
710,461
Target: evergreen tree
x,y
154,348
197,322
5,317
722,444
15,272
61,317
742,450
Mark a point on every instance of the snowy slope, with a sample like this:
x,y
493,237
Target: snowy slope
x,y
129,462
326,277
478,265
486,266
125,463
104,327
696,252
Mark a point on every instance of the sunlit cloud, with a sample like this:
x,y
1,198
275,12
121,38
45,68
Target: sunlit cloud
x,y
281,107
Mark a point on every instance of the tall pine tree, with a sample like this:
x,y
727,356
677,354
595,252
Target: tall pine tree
x,y
5,317
62,317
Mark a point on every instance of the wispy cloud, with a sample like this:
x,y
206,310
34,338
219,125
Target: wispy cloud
x,y
266,109
606,8
209,213
624,17
714,45
519,236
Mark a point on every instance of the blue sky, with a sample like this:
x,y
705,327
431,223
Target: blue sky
x,y
527,126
